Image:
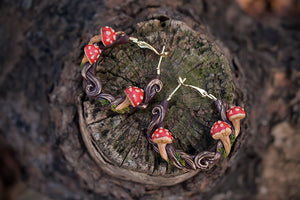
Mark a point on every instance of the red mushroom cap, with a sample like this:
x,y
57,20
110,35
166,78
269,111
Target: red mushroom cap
x,y
135,95
108,35
162,135
235,112
220,128
92,52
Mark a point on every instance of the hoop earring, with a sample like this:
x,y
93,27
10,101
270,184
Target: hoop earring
x,y
135,97
161,138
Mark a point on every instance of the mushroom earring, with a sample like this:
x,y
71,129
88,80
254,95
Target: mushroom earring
x,y
222,130
135,97
161,140
235,114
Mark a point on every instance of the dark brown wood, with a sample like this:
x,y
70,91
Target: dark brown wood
x,y
43,155
120,141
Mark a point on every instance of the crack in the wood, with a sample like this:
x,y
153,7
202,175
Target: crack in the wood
x,y
196,65
183,56
130,150
125,78
98,121
100,152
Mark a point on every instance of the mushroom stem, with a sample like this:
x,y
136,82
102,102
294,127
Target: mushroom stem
x,y
162,151
95,39
236,126
84,60
226,143
124,104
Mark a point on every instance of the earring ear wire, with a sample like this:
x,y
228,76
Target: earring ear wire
x,y
178,86
145,45
203,92
159,62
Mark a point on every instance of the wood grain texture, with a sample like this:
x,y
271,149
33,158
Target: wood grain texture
x,y
41,145
117,142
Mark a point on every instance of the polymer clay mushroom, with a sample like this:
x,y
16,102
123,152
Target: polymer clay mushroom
x,y
162,137
235,114
221,131
134,97
92,53
108,35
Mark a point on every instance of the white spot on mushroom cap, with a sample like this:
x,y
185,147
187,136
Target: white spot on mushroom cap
x,y
157,135
133,96
137,90
230,112
221,125
114,36
107,32
237,109
216,126
93,56
160,131
130,89
96,51
141,97
107,40
89,47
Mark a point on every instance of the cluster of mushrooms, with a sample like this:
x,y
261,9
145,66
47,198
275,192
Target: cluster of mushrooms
x,y
135,96
222,130
107,38
92,51
219,131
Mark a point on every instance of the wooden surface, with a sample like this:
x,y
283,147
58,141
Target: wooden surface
x,y
120,139
43,155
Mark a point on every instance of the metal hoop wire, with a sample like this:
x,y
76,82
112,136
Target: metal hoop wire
x,y
203,92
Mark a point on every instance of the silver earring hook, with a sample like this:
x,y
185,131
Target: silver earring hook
x,y
203,92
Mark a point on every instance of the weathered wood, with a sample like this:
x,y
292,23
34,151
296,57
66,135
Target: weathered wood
x,y
41,146
117,142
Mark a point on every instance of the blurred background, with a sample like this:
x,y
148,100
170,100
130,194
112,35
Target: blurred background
x,y
40,51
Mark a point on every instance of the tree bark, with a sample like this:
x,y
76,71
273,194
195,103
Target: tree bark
x,y
118,142
44,152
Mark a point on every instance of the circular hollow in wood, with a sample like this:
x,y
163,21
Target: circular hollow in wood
x,y
117,142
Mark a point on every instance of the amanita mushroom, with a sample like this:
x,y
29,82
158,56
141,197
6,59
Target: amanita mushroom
x,y
108,35
162,137
134,97
221,130
92,53
235,114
